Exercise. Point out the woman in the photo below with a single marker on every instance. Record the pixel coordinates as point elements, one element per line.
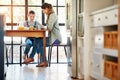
<point>52,25</point>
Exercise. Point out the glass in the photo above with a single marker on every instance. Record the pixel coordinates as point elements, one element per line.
<point>53,2</point>
<point>38,13</point>
<point>61,2</point>
<point>7,12</point>
<point>5,2</point>
<point>80,6</point>
<point>55,9</point>
<point>61,14</point>
<point>80,27</point>
<point>34,2</point>
<point>18,2</point>
<point>18,14</point>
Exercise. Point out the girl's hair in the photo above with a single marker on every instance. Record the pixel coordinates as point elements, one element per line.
<point>50,9</point>
<point>31,12</point>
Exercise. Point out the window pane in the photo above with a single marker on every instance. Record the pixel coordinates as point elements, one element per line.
<point>18,2</point>
<point>61,2</point>
<point>3,2</point>
<point>7,12</point>
<point>34,2</point>
<point>18,14</point>
<point>53,2</point>
<point>61,15</point>
<point>38,13</point>
<point>55,9</point>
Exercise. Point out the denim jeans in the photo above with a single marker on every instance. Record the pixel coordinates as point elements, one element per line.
<point>29,43</point>
<point>38,45</point>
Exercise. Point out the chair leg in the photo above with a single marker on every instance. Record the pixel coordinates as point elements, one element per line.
<point>7,57</point>
<point>57,54</point>
<point>20,55</point>
<point>65,51</point>
<point>48,54</point>
<point>49,57</point>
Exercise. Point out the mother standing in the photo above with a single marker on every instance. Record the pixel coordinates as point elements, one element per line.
<point>52,25</point>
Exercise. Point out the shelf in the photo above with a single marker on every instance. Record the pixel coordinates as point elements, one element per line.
<point>109,52</point>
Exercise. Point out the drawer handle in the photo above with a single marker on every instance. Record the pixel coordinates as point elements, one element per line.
<point>99,19</point>
<point>97,65</point>
<point>115,15</point>
<point>99,38</point>
<point>91,63</point>
<point>106,17</point>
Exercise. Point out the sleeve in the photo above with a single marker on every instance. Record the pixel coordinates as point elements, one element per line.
<point>39,25</point>
<point>51,21</point>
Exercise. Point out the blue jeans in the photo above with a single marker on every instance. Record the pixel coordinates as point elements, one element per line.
<point>38,45</point>
<point>29,43</point>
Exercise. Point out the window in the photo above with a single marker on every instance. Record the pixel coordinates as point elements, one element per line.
<point>5,2</point>
<point>17,10</point>
<point>35,2</point>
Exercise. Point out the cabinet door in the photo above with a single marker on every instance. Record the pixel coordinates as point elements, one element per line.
<point>98,37</point>
<point>96,66</point>
<point>114,40</point>
<point>107,40</point>
<point>114,71</point>
<point>108,69</point>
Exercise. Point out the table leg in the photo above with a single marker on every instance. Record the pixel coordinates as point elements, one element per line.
<point>44,44</point>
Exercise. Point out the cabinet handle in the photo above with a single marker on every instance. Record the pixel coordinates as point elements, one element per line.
<point>91,63</point>
<point>99,19</point>
<point>106,17</point>
<point>97,65</point>
<point>115,15</point>
<point>99,38</point>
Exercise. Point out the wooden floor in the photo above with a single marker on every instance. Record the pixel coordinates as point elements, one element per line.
<point>31,72</point>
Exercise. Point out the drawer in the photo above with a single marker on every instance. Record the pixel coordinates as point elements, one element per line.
<point>114,40</point>
<point>108,69</point>
<point>98,20</point>
<point>110,17</point>
<point>107,40</point>
<point>106,18</point>
<point>111,70</point>
<point>114,71</point>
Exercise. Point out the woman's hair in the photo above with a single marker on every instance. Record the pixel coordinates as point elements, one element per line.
<point>50,9</point>
<point>49,6</point>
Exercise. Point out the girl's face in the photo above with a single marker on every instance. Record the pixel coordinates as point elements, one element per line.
<point>45,11</point>
<point>31,17</point>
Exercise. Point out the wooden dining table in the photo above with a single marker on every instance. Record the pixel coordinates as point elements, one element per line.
<point>29,33</point>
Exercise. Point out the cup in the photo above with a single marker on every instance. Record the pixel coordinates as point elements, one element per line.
<point>31,28</point>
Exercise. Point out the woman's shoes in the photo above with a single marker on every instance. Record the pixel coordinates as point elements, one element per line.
<point>28,60</point>
<point>43,64</point>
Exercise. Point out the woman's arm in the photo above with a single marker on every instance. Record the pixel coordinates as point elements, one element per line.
<point>51,21</point>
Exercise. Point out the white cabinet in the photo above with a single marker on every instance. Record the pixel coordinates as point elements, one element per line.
<point>96,66</point>
<point>105,17</point>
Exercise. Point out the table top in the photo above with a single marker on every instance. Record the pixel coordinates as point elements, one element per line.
<point>25,33</point>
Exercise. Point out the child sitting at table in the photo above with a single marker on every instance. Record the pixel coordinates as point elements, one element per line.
<point>30,40</point>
